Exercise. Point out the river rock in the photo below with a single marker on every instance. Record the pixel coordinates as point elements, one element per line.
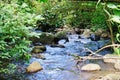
<point>34,67</point>
<point>61,35</point>
<point>38,49</point>
<point>58,45</point>
<point>44,38</point>
<point>105,35</point>
<point>91,67</point>
<point>77,31</point>
<point>98,32</point>
<point>117,65</point>
<point>112,76</point>
<point>86,33</point>
<point>94,37</point>
<point>111,58</point>
<point>40,56</point>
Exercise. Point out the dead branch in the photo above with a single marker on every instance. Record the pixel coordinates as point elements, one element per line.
<point>97,56</point>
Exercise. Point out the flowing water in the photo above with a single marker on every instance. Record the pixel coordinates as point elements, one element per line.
<point>60,65</point>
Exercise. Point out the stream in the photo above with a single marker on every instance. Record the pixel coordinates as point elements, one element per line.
<point>60,65</point>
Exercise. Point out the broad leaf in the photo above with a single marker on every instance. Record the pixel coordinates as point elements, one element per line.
<point>115,19</point>
<point>112,6</point>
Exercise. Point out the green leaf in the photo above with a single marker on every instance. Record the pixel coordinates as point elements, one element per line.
<point>116,12</point>
<point>115,19</point>
<point>43,0</point>
<point>117,51</point>
<point>112,6</point>
<point>117,37</point>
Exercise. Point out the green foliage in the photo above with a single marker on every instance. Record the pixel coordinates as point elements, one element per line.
<point>50,22</point>
<point>113,12</point>
<point>15,25</point>
<point>98,19</point>
<point>52,16</point>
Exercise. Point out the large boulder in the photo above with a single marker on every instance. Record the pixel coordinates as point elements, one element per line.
<point>111,58</point>
<point>44,38</point>
<point>61,35</point>
<point>91,67</point>
<point>34,67</point>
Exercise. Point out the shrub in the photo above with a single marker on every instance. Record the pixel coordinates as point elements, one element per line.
<point>15,22</point>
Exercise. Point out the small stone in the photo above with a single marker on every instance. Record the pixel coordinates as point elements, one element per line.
<point>38,49</point>
<point>117,65</point>
<point>40,56</point>
<point>43,48</point>
<point>91,67</point>
<point>111,58</point>
<point>34,67</point>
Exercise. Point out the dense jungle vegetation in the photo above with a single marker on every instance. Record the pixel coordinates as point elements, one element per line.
<point>18,18</point>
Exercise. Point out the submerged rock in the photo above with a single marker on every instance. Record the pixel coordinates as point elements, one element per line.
<point>111,58</point>
<point>34,67</point>
<point>40,56</point>
<point>94,37</point>
<point>58,45</point>
<point>38,49</point>
<point>91,67</point>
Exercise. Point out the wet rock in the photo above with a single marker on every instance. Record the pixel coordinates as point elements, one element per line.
<point>77,30</point>
<point>105,35</point>
<point>94,37</point>
<point>102,43</point>
<point>91,67</point>
<point>37,44</point>
<point>38,49</point>
<point>102,33</point>
<point>111,58</point>
<point>61,35</point>
<point>40,56</point>
<point>58,45</point>
<point>93,45</point>
<point>34,67</point>
<point>86,33</point>
<point>44,38</point>
<point>117,65</point>
<point>81,31</point>
<point>99,32</point>
<point>112,76</point>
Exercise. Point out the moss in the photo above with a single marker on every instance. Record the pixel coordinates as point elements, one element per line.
<point>61,35</point>
<point>46,38</point>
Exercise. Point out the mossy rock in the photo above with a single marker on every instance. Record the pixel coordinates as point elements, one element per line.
<point>61,35</point>
<point>38,49</point>
<point>44,38</point>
